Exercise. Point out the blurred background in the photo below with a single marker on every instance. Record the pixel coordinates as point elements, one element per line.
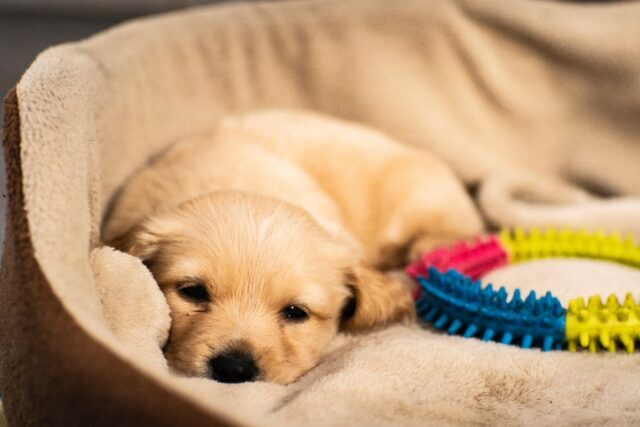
<point>27,27</point>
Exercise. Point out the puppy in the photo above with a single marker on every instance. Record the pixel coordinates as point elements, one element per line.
<point>268,235</point>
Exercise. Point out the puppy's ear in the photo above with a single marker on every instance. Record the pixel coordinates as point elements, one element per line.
<point>378,300</point>
<point>140,241</point>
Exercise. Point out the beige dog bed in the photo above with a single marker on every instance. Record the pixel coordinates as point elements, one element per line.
<point>524,99</point>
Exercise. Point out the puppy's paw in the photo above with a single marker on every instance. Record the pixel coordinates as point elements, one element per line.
<point>401,276</point>
<point>428,242</point>
<point>380,300</point>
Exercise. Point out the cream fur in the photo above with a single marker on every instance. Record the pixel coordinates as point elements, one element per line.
<point>271,210</point>
<point>413,376</point>
<point>391,196</point>
<point>549,88</point>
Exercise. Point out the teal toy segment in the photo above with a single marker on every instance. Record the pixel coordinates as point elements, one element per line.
<point>459,305</point>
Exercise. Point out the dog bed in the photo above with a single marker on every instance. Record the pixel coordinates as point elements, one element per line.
<point>532,104</point>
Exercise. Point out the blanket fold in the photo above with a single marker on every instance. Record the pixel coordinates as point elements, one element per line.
<point>533,103</point>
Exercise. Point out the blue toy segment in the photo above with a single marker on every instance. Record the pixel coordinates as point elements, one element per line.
<point>454,302</point>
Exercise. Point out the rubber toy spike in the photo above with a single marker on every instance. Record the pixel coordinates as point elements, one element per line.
<point>457,302</point>
<point>537,322</point>
<point>470,259</point>
<point>596,325</point>
<point>523,245</point>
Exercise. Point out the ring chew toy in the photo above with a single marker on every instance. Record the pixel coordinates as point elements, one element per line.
<point>453,299</point>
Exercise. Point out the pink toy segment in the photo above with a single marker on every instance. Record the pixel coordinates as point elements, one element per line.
<point>470,259</point>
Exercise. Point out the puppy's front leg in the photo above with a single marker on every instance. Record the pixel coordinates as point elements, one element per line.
<point>428,242</point>
<point>427,207</point>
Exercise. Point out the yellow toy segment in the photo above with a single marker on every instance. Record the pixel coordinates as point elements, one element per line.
<point>552,243</point>
<point>608,325</point>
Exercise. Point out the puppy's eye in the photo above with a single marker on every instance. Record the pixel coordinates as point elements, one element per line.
<point>195,292</point>
<point>293,313</point>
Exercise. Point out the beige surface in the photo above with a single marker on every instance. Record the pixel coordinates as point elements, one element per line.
<point>407,376</point>
<point>496,88</point>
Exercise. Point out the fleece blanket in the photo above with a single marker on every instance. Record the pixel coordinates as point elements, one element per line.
<point>533,104</point>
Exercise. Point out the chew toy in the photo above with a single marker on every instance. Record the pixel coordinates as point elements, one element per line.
<point>454,300</point>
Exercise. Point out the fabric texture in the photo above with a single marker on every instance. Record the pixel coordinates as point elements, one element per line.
<point>531,103</point>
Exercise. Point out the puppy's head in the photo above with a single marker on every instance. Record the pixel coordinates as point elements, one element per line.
<point>256,288</point>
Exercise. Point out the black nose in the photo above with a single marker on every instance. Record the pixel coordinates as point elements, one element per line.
<point>233,367</point>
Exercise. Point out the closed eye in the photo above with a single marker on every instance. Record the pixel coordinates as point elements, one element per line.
<point>194,292</point>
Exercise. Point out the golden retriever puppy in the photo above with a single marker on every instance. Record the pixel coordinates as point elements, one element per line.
<point>267,238</point>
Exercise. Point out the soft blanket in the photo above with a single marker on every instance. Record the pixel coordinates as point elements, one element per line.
<point>534,105</point>
<point>405,375</point>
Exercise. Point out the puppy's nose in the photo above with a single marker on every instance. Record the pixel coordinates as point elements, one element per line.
<point>233,367</point>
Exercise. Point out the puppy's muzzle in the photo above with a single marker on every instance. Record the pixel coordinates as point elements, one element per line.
<point>233,367</point>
